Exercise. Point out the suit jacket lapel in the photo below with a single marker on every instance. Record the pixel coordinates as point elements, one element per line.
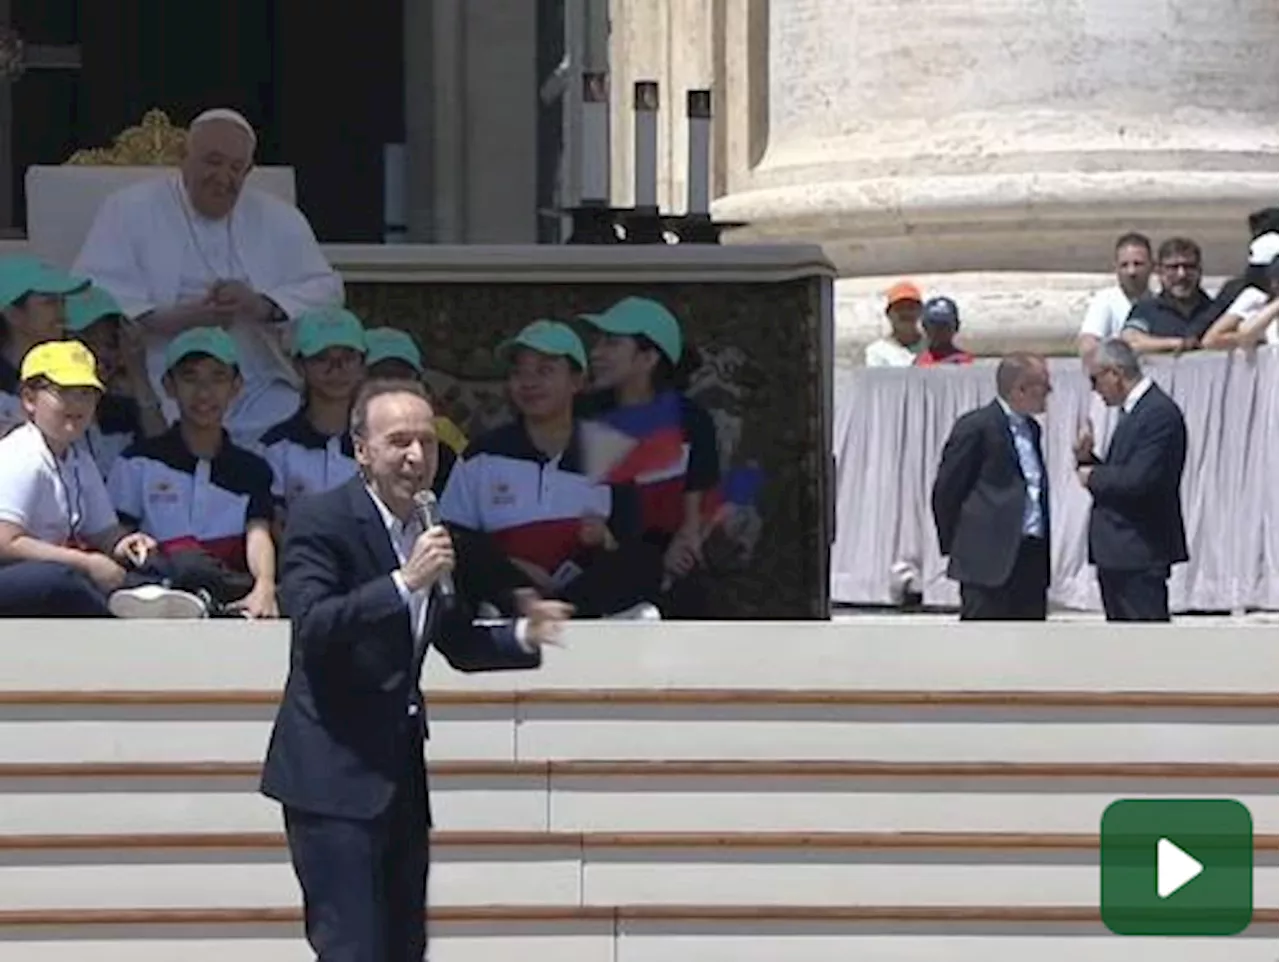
<point>376,538</point>
<point>1000,422</point>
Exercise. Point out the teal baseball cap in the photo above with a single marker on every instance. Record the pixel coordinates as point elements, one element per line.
<point>21,274</point>
<point>89,306</point>
<point>330,327</point>
<point>391,344</point>
<point>213,341</point>
<point>546,337</point>
<point>639,316</point>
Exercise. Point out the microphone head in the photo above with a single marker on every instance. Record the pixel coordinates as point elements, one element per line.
<point>427,504</point>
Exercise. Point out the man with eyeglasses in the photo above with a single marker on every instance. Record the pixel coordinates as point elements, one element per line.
<point>1136,529</point>
<point>63,551</point>
<point>1173,320</point>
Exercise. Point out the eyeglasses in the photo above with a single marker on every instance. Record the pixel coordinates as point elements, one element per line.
<point>1181,267</point>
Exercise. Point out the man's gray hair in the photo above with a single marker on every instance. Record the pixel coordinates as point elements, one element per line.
<point>1113,352</point>
<point>1012,368</point>
<point>227,115</point>
<point>377,387</point>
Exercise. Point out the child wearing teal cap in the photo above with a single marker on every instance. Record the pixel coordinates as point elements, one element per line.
<point>393,354</point>
<point>32,311</point>
<point>639,365</point>
<point>522,500</point>
<point>130,409</point>
<point>205,500</point>
<point>311,451</point>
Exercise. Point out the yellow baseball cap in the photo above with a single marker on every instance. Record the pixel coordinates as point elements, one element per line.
<point>65,363</point>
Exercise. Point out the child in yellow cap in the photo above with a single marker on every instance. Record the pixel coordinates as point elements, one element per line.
<point>63,551</point>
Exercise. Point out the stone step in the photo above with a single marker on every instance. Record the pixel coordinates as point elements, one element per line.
<point>873,653</point>
<point>675,724</point>
<point>226,870</point>
<point>632,933</point>
<point>582,796</point>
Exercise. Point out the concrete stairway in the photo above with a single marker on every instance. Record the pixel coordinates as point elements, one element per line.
<point>879,790</point>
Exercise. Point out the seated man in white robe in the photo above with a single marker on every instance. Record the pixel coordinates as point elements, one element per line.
<point>199,249</point>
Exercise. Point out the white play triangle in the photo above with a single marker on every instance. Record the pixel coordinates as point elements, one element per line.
<point>1174,868</point>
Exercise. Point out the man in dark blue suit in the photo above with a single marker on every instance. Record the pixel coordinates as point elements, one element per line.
<point>361,582</point>
<point>1136,532</point>
<point>991,499</point>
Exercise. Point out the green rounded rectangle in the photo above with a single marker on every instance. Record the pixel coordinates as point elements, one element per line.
<point>1202,847</point>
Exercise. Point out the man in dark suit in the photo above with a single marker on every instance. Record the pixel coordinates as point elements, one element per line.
<point>1136,531</point>
<point>361,581</point>
<point>991,499</point>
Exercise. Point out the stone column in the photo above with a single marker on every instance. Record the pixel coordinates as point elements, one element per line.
<point>994,150</point>
<point>471,121</point>
<point>669,41</point>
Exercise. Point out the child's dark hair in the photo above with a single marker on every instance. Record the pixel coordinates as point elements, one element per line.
<point>666,375</point>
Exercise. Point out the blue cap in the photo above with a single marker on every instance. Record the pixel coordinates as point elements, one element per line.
<point>89,306</point>
<point>21,274</point>
<point>940,311</point>
<point>641,317</point>
<point>546,337</point>
<point>211,341</point>
<point>391,344</point>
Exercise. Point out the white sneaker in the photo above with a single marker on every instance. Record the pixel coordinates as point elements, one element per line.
<point>641,612</point>
<point>156,602</point>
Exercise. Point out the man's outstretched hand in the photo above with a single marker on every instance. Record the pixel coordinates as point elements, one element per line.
<point>544,619</point>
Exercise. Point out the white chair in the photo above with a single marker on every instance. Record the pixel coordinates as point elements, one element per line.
<point>62,201</point>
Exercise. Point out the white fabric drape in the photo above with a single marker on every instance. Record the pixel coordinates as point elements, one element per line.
<point>891,423</point>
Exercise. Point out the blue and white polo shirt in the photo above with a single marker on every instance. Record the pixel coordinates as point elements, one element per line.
<point>160,487</point>
<point>304,461</point>
<point>532,505</point>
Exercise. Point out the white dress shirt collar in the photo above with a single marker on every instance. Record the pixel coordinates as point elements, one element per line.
<point>1135,395</point>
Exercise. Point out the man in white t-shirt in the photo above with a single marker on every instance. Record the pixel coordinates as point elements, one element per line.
<point>1251,318</point>
<point>63,552</point>
<point>903,305</point>
<point>1110,307</point>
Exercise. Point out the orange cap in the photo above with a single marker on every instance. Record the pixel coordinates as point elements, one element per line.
<point>902,291</point>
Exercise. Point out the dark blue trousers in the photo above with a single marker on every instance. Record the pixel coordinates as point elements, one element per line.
<point>1135,595</point>
<point>46,589</point>
<point>364,883</point>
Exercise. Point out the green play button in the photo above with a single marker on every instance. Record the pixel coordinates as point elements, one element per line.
<point>1175,867</point>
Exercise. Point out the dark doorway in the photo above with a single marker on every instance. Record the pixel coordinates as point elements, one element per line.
<point>179,57</point>
<point>43,103</point>
<point>326,93</point>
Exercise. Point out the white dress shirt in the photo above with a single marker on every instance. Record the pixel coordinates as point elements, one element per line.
<point>403,534</point>
<point>1135,395</point>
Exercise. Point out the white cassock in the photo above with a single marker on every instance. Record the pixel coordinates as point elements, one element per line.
<point>150,249</point>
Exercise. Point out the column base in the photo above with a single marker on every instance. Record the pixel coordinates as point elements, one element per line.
<point>1003,222</point>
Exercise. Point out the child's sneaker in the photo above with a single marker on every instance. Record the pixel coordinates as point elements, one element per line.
<point>156,602</point>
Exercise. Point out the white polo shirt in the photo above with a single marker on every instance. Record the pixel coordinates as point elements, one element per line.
<point>530,504</point>
<point>182,501</point>
<point>57,500</point>
<point>1108,310</point>
<point>304,461</point>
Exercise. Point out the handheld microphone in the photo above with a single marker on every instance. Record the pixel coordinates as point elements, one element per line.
<point>429,514</point>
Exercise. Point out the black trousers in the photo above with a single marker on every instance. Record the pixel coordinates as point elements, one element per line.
<point>364,883</point>
<point>1135,595</point>
<point>1022,598</point>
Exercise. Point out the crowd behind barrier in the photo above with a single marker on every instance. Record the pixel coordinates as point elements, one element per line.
<point>890,425</point>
